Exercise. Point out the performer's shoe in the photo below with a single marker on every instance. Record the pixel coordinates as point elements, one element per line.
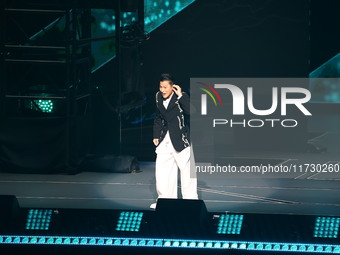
<point>153,206</point>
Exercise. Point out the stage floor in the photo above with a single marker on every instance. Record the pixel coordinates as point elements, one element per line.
<point>293,193</point>
<point>308,193</point>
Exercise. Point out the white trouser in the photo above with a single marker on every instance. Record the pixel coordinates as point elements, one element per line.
<point>167,163</point>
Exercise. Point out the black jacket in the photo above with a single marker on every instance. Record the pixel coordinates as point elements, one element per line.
<point>174,119</point>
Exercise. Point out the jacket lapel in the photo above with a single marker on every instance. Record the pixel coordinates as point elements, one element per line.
<point>161,107</point>
<point>172,102</point>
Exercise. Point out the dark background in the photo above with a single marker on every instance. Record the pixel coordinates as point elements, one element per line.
<point>215,38</point>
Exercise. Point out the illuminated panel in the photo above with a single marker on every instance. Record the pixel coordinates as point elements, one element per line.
<point>38,219</point>
<point>326,227</point>
<point>230,224</point>
<point>129,221</point>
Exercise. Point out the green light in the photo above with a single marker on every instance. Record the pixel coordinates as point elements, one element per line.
<point>38,219</point>
<point>44,105</point>
<point>230,224</point>
<point>326,227</point>
<point>129,221</point>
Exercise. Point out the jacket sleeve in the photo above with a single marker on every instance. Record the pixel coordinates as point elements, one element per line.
<point>184,102</point>
<point>157,125</point>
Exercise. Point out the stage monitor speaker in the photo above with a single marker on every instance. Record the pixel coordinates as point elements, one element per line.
<point>111,164</point>
<point>182,217</point>
<point>9,213</point>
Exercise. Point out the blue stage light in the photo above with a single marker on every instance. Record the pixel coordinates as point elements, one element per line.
<point>243,246</point>
<point>268,247</point>
<point>276,247</point>
<point>217,245</point>
<point>192,244</point>
<point>75,241</point>
<point>129,221</point>
<point>38,219</point>
<point>126,242</point>
<point>175,243</point>
<point>200,244</point>
<point>326,227</point>
<point>230,224</point>
<point>293,248</point>
<point>150,243</point>
<point>184,244</point>
<point>33,240</point>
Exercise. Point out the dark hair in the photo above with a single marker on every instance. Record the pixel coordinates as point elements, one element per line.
<point>167,77</point>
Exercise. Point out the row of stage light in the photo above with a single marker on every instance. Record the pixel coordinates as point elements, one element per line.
<point>181,243</point>
<point>175,223</point>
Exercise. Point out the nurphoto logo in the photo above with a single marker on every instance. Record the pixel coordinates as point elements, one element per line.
<point>280,98</point>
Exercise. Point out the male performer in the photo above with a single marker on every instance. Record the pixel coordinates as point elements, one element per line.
<point>171,136</point>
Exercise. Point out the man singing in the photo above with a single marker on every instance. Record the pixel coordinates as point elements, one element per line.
<point>171,136</point>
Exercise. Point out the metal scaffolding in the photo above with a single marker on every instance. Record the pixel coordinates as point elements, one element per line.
<point>45,90</point>
<point>54,68</point>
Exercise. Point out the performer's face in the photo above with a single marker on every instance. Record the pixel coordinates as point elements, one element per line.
<point>166,89</point>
